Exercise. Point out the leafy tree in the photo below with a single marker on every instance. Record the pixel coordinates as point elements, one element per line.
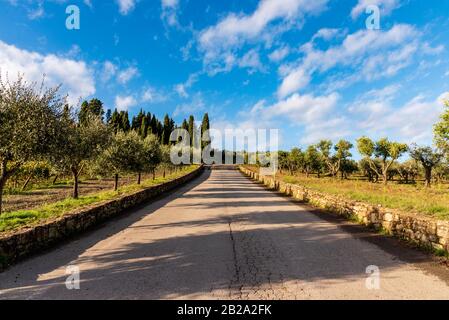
<point>365,167</point>
<point>408,170</point>
<point>165,161</point>
<point>94,107</point>
<point>334,161</point>
<point>312,161</point>
<point>441,131</point>
<point>168,127</point>
<point>115,122</point>
<point>428,159</point>
<point>125,154</point>
<point>108,116</point>
<point>282,159</point>
<point>78,144</point>
<point>386,151</point>
<point>442,171</point>
<point>295,160</point>
<point>348,167</point>
<point>136,122</point>
<point>191,129</point>
<point>124,121</point>
<point>205,127</point>
<point>29,117</point>
<point>153,155</point>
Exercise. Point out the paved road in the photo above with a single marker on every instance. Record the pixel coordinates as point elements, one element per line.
<point>224,237</point>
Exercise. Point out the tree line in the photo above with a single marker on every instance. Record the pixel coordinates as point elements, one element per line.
<point>41,134</point>
<point>379,158</point>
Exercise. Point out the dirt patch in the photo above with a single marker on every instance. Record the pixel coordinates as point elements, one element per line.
<point>38,197</point>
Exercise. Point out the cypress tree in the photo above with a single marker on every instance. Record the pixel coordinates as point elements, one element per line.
<point>191,128</point>
<point>205,126</point>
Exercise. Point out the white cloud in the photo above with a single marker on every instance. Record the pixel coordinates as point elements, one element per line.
<point>251,60</point>
<point>368,54</point>
<point>36,13</point>
<point>126,6</point>
<point>375,114</point>
<point>303,108</point>
<point>123,103</point>
<point>169,12</point>
<point>326,34</point>
<point>75,76</point>
<point>126,75</point>
<point>386,6</point>
<point>193,107</point>
<point>220,40</point>
<point>181,88</point>
<point>279,54</point>
<point>109,70</point>
<point>151,95</point>
<point>329,128</point>
<point>294,81</point>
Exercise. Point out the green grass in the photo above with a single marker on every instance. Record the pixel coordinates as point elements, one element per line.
<point>14,220</point>
<point>432,202</point>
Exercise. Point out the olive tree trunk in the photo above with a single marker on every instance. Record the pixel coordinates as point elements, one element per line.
<point>75,184</point>
<point>2,185</point>
<point>428,175</point>
<point>116,182</point>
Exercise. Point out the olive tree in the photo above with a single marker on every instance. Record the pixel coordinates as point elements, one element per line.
<point>295,160</point>
<point>334,161</point>
<point>408,170</point>
<point>428,159</point>
<point>441,131</point>
<point>153,153</point>
<point>80,143</point>
<point>29,116</point>
<point>283,160</point>
<point>124,154</point>
<point>312,161</point>
<point>384,150</point>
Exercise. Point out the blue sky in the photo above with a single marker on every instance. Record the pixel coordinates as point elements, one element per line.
<point>310,68</point>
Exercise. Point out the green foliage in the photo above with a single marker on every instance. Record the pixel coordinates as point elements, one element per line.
<point>191,129</point>
<point>441,131</point>
<point>92,108</point>
<point>29,117</point>
<point>384,150</point>
<point>124,154</point>
<point>205,127</point>
<point>295,160</point>
<point>79,143</point>
<point>334,161</point>
<point>428,159</point>
<point>312,160</point>
<point>153,153</point>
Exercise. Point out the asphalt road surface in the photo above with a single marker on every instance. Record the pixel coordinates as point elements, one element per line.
<point>224,237</point>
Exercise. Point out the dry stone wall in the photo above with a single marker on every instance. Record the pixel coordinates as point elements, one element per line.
<point>18,245</point>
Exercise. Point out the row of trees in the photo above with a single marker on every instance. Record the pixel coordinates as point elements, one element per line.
<point>380,158</point>
<point>37,126</point>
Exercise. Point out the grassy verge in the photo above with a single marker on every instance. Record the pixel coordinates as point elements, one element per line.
<point>17,219</point>
<point>433,202</point>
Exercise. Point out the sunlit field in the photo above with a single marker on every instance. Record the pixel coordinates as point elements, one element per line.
<point>408,197</point>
